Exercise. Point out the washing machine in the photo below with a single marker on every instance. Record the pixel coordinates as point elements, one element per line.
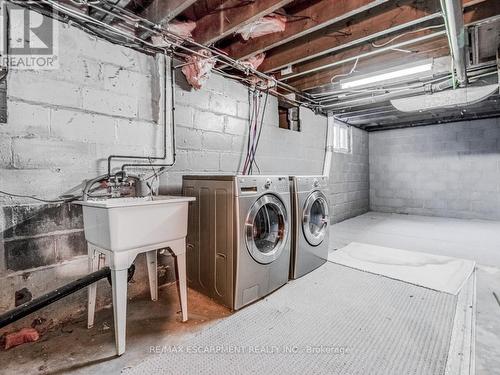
<point>239,236</point>
<point>310,224</point>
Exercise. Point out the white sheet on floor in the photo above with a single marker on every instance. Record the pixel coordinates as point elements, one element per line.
<point>441,273</point>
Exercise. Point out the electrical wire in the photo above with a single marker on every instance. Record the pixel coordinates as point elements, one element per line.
<point>135,22</point>
<point>375,45</point>
<point>253,161</point>
<point>256,122</point>
<point>34,197</point>
<point>346,74</point>
<point>147,25</point>
<point>254,114</point>
<point>255,130</point>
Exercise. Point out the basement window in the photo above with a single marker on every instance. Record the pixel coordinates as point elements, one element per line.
<point>342,138</point>
<point>289,116</point>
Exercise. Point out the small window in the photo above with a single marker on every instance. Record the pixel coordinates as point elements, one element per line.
<point>342,138</point>
<point>289,116</point>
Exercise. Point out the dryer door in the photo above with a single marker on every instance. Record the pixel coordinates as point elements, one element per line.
<point>266,229</point>
<point>315,218</point>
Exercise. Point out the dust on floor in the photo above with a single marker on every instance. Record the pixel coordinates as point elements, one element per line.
<point>72,348</point>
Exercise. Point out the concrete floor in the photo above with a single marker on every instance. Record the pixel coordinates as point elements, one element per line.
<point>478,240</point>
<point>74,349</point>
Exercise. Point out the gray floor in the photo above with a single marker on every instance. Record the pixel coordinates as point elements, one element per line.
<point>471,239</point>
<point>72,348</point>
<point>335,320</point>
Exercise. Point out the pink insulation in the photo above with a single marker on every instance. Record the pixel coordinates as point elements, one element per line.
<point>182,29</point>
<point>254,61</point>
<point>272,23</point>
<point>198,69</point>
<point>21,337</point>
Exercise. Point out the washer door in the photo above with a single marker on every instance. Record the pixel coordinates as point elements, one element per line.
<point>266,229</point>
<point>315,218</point>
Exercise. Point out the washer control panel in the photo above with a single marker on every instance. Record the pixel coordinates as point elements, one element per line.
<point>256,185</point>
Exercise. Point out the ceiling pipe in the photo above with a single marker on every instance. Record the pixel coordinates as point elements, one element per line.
<point>138,22</point>
<point>454,21</point>
<point>375,99</point>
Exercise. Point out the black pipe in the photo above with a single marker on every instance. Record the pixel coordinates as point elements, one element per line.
<point>51,297</point>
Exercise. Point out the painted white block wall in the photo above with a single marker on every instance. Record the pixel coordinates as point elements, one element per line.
<point>63,124</point>
<point>349,179</point>
<point>449,170</point>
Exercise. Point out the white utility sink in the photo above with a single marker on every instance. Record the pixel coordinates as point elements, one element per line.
<point>122,228</point>
<point>120,224</point>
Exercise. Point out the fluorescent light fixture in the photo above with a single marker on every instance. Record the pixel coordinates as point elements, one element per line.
<point>387,76</point>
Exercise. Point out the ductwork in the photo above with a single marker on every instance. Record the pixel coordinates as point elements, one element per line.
<point>458,98</point>
<point>454,21</point>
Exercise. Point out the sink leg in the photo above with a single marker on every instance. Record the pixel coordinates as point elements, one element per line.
<point>181,270</point>
<point>93,259</point>
<point>119,280</point>
<point>151,257</point>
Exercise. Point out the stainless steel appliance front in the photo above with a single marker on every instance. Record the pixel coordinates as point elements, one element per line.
<point>238,236</point>
<point>310,223</point>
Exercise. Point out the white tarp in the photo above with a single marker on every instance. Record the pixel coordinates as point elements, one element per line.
<point>441,273</point>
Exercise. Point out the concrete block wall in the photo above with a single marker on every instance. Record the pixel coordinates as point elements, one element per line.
<point>63,124</point>
<point>61,127</point>
<point>3,100</point>
<point>349,179</point>
<point>450,170</point>
<point>212,128</point>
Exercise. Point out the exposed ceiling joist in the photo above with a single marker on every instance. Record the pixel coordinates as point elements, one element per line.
<point>378,22</point>
<point>109,5</point>
<point>433,48</point>
<point>365,50</point>
<point>305,21</point>
<point>473,13</point>
<point>232,16</point>
<point>476,13</point>
<point>163,11</point>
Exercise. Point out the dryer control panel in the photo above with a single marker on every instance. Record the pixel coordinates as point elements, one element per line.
<point>310,183</point>
<point>257,185</point>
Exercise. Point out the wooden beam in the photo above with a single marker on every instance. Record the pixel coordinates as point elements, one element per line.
<point>473,13</point>
<point>107,17</point>
<point>378,22</point>
<point>163,11</point>
<point>305,21</point>
<point>234,14</point>
<point>476,11</point>
<point>434,48</point>
<point>366,50</point>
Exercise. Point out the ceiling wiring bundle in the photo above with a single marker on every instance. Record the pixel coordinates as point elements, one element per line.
<point>254,130</point>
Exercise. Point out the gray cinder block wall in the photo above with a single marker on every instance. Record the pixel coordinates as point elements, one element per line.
<point>3,98</point>
<point>63,124</point>
<point>349,179</point>
<point>450,170</point>
<point>212,128</point>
